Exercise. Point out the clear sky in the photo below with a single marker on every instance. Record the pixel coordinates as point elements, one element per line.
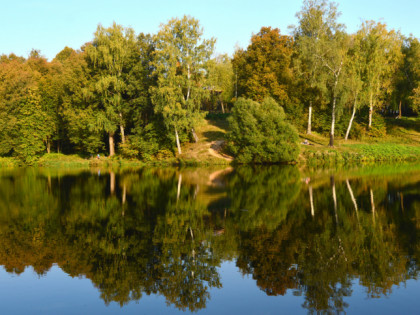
<point>50,25</point>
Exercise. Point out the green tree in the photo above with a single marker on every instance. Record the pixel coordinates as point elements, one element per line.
<point>409,76</point>
<point>180,63</point>
<point>264,68</point>
<point>76,109</point>
<point>260,134</point>
<point>315,20</point>
<point>324,38</point>
<point>220,80</point>
<point>110,54</point>
<point>354,78</point>
<point>27,107</point>
<point>381,51</point>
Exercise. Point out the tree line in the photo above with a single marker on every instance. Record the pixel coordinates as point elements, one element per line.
<point>145,94</point>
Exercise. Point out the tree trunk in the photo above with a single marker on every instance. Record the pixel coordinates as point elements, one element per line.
<point>370,110</point>
<point>177,141</point>
<point>122,130</point>
<point>223,108</point>
<point>48,146</point>
<point>351,121</point>
<point>194,135</point>
<point>309,131</point>
<point>188,77</point>
<point>332,123</point>
<point>58,146</point>
<point>111,144</point>
<point>399,110</point>
<point>337,76</point>
<point>122,134</point>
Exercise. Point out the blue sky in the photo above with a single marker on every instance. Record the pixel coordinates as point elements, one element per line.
<point>50,25</point>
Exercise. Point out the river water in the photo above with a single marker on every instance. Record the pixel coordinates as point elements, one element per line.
<point>245,240</point>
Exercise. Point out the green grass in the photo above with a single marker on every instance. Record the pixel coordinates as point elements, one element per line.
<point>401,143</point>
<point>386,151</point>
<point>61,160</point>
<point>8,162</point>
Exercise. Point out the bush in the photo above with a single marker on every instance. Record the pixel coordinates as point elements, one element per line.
<point>378,129</point>
<point>128,151</point>
<point>260,134</point>
<point>149,140</point>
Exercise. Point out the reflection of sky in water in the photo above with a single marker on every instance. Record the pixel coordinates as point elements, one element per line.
<point>58,293</point>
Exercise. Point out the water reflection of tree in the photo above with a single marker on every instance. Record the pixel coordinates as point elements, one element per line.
<point>149,233</point>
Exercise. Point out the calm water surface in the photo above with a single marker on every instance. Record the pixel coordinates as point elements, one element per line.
<point>247,240</point>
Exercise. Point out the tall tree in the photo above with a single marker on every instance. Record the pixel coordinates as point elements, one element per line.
<point>264,68</point>
<point>354,78</point>
<point>326,40</point>
<point>409,76</point>
<point>77,100</point>
<point>381,54</point>
<point>220,80</point>
<point>180,63</point>
<point>49,86</point>
<point>110,55</point>
<point>314,20</point>
<point>27,114</point>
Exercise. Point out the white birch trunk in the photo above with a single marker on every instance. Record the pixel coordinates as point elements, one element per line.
<point>309,131</point>
<point>122,131</point>
<point>177,142</point>
<point>351,121</point>
<point>332,123</point>
<point>188,76</point>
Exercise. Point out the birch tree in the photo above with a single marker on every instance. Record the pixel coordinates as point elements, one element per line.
<point>354,78</point>
<point>324,48</point>
<point>381,52</point>
<point>180,63</point>
<point>312,26</point>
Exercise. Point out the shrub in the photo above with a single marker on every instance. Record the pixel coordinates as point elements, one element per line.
<point>260,134</point>
<point>128,151</point>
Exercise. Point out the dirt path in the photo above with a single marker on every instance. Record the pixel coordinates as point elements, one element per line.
<point>214,150</point>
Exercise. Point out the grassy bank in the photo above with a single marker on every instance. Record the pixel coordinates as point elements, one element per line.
<point>401,143</point>
<point>8,162</point>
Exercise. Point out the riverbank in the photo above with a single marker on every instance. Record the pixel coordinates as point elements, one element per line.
<point>401,143</point>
